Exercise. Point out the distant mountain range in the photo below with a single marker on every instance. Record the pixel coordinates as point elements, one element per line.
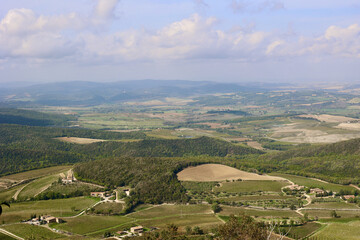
<point>94,93</point>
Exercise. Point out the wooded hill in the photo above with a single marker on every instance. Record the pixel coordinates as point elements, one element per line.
<point>25,147</point>
<point>336,162</point>
<point>154,179</point>
<point>33,118</point>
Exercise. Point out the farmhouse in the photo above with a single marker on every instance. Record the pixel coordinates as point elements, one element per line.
<point>127,192</point>
<point>97,194</point>
<point>317,191</point>
<point>347,197</point>
<point>137,229</point>
<point>50,219</point>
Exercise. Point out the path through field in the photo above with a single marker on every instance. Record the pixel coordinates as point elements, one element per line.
<point>10,234</point>
<point>18,191</point>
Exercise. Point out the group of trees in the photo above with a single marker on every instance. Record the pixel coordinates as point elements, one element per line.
<point>153,179</point>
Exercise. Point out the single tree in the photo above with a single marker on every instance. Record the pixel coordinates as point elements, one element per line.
<point>216,208</point>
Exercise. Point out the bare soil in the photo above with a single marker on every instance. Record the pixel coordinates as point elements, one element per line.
<point>218,172</point>
<point>329,118</point>
<point>256,145</point>
<point>79,140</point>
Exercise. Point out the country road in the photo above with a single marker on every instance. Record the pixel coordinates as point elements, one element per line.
<point>10,234</point>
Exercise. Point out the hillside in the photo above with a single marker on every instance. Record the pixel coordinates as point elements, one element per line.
<point>337,162</point>
<point>348,147</point>
<point>33,118</point>
<point>40,148</point>
<point>153,179</point>
<point>167,148</point>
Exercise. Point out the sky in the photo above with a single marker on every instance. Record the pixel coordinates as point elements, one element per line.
<point>290,41</point>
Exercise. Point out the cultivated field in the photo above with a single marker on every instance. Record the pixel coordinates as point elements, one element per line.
<point>5,237</point>
<point>35,173</point>
<point>6,195</point>
<point>313,183</point>
<point>58,208</point>
<point>108,208</point>
<point>326,213</point>
<point>349,126</point>
<point>328,118</point>
<point>171,210</point>
<point>218,172</point>
<point>79,140</point>
<point>37,186</point>
<point>26,231</point>
<point>251,186</point>
<point>334,205</point>
<point>205,221</point>
<point>89,224</point>
<point>340,231</point>
<point>227,210</point>
<point>310,131</point>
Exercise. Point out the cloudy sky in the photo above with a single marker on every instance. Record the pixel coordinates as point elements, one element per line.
<point>225,41</point>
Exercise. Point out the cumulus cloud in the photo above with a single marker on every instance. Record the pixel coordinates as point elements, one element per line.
<point>239,6</point>
<point>193,37</point>
<point>25,34</point>
<point>336,41</point>
<point>104,11</point>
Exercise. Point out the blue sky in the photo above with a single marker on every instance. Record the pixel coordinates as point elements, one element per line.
<point>225,41</point>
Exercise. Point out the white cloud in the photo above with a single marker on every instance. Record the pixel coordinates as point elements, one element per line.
<point>271,47</point>
<point>194,37</point>
<point>24,34</point>
<point>336,41</point>
<point>103,12</point>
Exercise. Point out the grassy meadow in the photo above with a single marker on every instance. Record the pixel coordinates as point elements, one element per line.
<point>89,224</point>
<point>26,231</point>
<point>339,231</point>
<point>313,183</point>
<point>36,173</point>
<point>37,186</point>
<point>58,208</point>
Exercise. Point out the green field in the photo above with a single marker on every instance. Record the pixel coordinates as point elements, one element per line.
<point>251,186</point>
<point>227,210</point>
<point>117,121</point>
<point>308,182</point>
<point>171,210</point>
<point>256,197</point>
<point>202,220</point>
<point>327,213</point>
<point>27,230</point>
<point>199,186</point>
<point>58,208</point>
<point>333,205</point>
<point>6,195</point>
<point>35,187</point>
<point>339,231</point>
<point>36,173</point>
<point>5,237</point>
<point>108,208</point>
<point>300,232</point>
<point>89,224</point>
